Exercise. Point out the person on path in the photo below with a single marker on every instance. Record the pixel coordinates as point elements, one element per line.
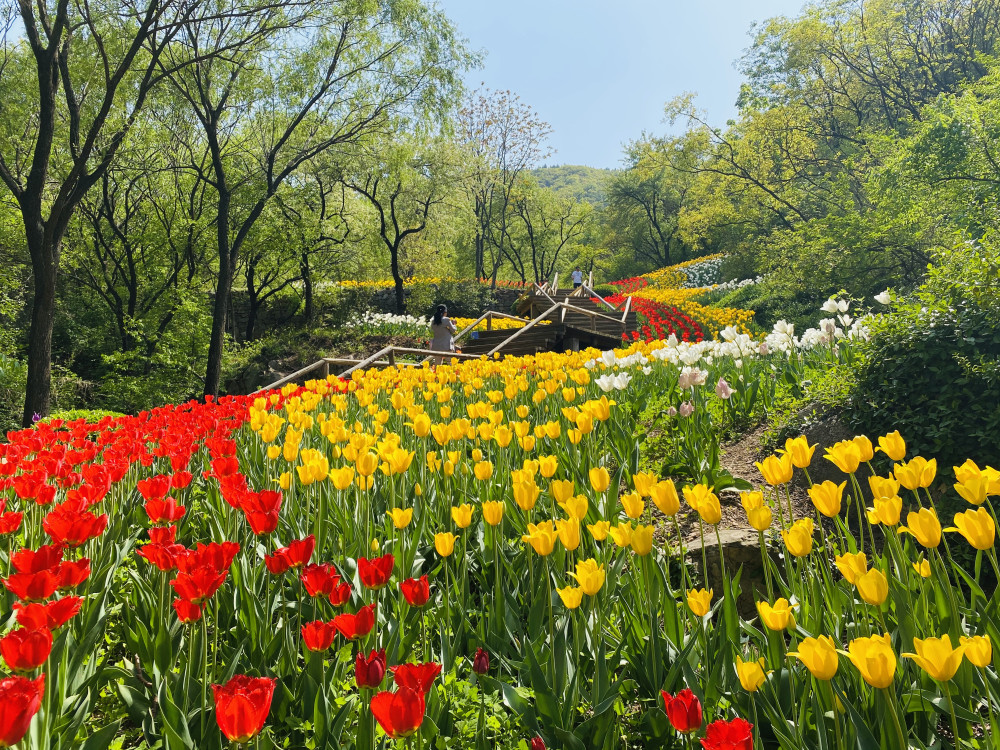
<point>443,330</point>
<point>577,277</point>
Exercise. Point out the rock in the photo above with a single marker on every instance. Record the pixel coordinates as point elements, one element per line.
<point>740,548</point>
<point>825,432</point>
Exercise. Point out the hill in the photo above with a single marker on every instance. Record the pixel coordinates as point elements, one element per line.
<point>575,181</point>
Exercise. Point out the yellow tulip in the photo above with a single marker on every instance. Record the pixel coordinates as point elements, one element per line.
<point>444,543</point>
<point>978,650</point>
<point>493,512</point>
<point>569,532</point>
<point>924,526</point>
<point>845,455</point>
<point>864,448</point>
<point>937,657</point>
<point>893,446</point>
<point>527,443</point>
<point>922,567</point>
<point>819,655</point>
<point>886,510</point>
<point>852,566</point>
<point>643,482</point>
<point>827,497</point>
<point>526,495</point>
<point>366,463</point>
<point>873,587</point>
<point>751,673</point>
<point>883,486</point>
<point>273,451</point>
<point>462,515</point>
<point>285,481</point>
<point>477,456</point>
<point>633,504</point>
<point>590,576</point>
<point>600,480</point>
<point>664,496</point>
<point>622,534</point>
<point>561,489</point>
<point>874,659</point>
<point>483,470</point>
<point>973,491</point>
<point>342,478</point>
<point>800,451</point>
<point>542,537</point>
<point>421,425</point>
<point>547,465</point>
<point>760,518</point>
<point>919,472</point>
<point>700,601</point>
<point>401,517</point>
<point>778,616</point>
<point>751,500</point>
<point>571,596</point>
<point>776,470</point>
<point>599,530</point>
<point>799,537</point>
<point>642,540</point>
<point>704,502</point>
<point>576,506</point>
<point>976,526</point>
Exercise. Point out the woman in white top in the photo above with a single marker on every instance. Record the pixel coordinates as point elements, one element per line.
<point>443,330</point>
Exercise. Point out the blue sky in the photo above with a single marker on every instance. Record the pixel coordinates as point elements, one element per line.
<point>600,72</point>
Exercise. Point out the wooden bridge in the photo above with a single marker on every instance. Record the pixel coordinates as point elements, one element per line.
<point>554,320</point>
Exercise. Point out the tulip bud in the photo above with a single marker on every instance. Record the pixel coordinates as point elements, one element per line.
<point>481,662</point>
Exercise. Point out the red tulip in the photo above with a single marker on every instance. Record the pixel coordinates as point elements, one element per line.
<point>32,587</point>
<point>51,616</point>
<point>25,650</point>
<point>419,677</point>
<point>481,662</point>
<point>318,635</point>
<point>72,573</point>
<point>163,556</point>
<point>340,594</point>
<point>319,580</point>
<point>218,557</point>
<point>154,488</point>
<point>187,612</point>
<point>20,699</point>
<point>537,743</point>
<point>416,591</point>
<point>368,673</point>
<point>262,523</point>
<point>199,585</point>
<point>683,710</point>
<point>46,557</point>
<point>181,479</point>
<point>295,555</point>
<point>401,713</point>
<point>164,510</point>
<point>163,534</point>
<point>10,522</point>
<point>70,525</point>
<point>375,574</point>
<point>355,626</point>
<point>242,705</point>
<point>729,735</point>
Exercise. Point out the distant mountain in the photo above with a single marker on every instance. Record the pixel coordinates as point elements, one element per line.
<point>576,182</point>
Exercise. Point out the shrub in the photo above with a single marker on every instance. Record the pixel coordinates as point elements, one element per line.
<point>931,366</point>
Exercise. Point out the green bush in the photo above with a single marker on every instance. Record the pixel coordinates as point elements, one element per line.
<point>606,290</point>
<point>931,369</point>
<point>13,377</point>
<point>91,416</point>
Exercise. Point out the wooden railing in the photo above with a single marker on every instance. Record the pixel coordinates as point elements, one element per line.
<point>488,316</point>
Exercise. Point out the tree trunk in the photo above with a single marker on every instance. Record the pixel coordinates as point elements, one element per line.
<point>45,265</point>
<point>307,286</point>
<point>400,297</point>
<point>223,290</point>
<point>253,308</point>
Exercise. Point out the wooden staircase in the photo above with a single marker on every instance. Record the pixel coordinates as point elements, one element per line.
<point>554,320</point>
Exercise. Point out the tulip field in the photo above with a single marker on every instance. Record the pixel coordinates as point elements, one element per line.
<point>478,555</point>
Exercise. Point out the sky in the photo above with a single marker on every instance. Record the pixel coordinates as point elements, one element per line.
<point>600,71</point>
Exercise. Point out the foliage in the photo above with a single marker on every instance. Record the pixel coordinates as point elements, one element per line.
<point>930,366</point>
<point>575,182</point>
